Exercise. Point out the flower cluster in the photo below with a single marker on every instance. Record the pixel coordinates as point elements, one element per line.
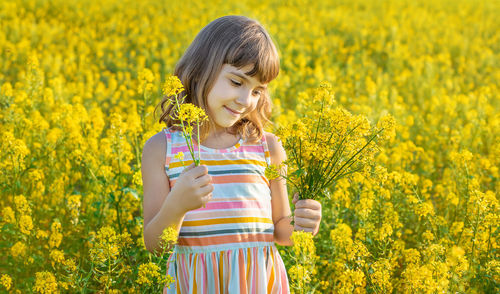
<point>327,143</point>
<point>188,115</point>
<point>304,256</point>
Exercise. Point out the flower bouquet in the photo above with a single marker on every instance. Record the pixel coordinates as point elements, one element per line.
<point>326,143</point>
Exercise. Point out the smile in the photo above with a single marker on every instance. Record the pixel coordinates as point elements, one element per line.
<point>232,112</point>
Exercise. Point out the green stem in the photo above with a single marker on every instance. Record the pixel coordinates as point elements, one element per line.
<point>190,146</point>
<point>191,150</point>
<point>352,157</point>
<point>199,141</point>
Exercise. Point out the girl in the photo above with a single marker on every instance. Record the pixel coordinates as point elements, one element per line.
<point>228,215</point>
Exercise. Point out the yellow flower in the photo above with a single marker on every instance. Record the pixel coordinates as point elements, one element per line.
<point>56,257</point>
<point>427,235</point>
<point>303,244</point>
<point>148,273</point>
<point>18,249</point>
<point>300,276</point>
<point>382,275</point>
<point>41,234</point>
<point>179,156</point>
<point>124,239</point>
<point>25,224</point>
<point>137,178</point>
<point>6,89</point>
<point>384,232</point>
<point>191,113</point>
<point>55,235</point>
<point>169,236</point>
<point>73,204</point>
<point>411,255</point>
<point>172,86</point>
<point>22,205</point>
<point>146,79</point>
<point>424,209</point>
<point>304,252</point>
<point>272,172</point>
<point>105,246</point>
<point>6,281</point>
<point>8,215</point>
<point>456,258</point>
<point>69,264</point>
<point>493,268</point>
<point>341,236</point>
<point>53,135</point>
<point>461,158</point>
<point>45,283</point>
<point>324,94</point>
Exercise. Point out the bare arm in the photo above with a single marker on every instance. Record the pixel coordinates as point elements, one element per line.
<point>163,207</point>
<point>307,213</point>
<point>158,209</point>
<point>283,228</point>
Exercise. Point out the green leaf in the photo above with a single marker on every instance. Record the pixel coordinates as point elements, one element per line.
<point>298,172</point>
<point>131,191</point>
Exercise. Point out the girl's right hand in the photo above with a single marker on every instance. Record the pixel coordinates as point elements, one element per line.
<point>193,188</point>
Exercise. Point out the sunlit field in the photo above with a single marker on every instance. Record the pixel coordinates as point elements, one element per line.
<point>80,81</point>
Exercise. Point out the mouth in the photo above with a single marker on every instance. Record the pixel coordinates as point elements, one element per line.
<point>232,112</point>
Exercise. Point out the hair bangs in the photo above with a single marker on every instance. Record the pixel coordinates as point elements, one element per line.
<point>255,48</point>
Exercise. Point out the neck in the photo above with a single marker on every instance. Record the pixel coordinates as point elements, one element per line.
<point>214,134</point>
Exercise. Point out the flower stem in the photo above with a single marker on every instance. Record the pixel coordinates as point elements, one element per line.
<point>198,139</point>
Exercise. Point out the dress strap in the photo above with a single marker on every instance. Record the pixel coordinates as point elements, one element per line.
<point>168,156</point>
<point>267,155</point>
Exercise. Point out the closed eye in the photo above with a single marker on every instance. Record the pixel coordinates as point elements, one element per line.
<point>235,83</point>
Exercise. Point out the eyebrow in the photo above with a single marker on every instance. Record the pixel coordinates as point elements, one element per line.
<point>246,79</point>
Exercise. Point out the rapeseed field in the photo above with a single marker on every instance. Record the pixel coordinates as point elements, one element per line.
<point>79,82</point>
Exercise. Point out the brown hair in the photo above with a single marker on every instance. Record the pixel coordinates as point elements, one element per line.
<point>235,40</point>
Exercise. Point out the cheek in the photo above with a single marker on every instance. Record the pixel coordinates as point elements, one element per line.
<point>252,110</point>
<point>256,105</point>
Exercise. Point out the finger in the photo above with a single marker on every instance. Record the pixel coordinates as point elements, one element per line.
<point>203,180</point>
<point>206,199</point>
<point>305,222</point>
<point>316,231</point>
<point>207,189</point>
<point>308,203</point>
<point>308,213</point>
<point>295,198</point>
<point>188,168</point>
<point>199,171</point>
<point>300,228</point>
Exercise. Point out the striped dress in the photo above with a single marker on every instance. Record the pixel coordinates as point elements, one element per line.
<point>228,246</point>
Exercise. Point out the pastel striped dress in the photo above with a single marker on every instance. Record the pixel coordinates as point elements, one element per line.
<point>228,246</point>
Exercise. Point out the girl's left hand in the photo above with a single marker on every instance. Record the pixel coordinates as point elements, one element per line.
<point>307,214</point>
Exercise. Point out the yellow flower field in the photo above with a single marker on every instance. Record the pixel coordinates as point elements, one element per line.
<point>79,81</point>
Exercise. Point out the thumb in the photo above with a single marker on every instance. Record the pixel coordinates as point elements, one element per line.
<point>188,168</point>
<point>295,198</point>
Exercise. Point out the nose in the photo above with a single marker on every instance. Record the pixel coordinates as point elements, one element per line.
<point>245,98</point>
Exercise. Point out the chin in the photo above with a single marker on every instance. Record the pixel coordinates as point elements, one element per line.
<point>226,123</point>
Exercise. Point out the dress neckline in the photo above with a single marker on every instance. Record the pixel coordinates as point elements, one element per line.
<point>221,150</point>
<point>208,149</point>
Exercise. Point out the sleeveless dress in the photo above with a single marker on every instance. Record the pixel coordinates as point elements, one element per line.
<point>228,246</point>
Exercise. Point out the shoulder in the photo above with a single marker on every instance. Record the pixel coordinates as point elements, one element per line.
<point>276,150</point>
<point>155,148</point>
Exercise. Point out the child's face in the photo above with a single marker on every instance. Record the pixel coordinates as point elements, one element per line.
<point>233,95</point>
